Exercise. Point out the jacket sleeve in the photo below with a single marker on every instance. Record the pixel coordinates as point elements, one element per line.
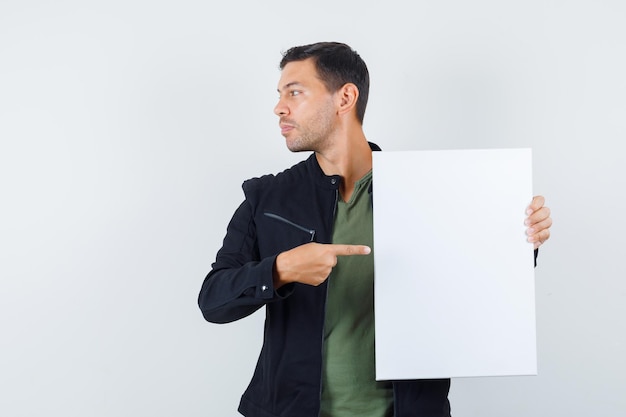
<point>239,282</point>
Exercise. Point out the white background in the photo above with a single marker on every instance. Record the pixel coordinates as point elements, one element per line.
<point>127,127</point>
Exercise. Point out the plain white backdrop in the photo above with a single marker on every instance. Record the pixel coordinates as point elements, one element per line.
<point>127,127</point>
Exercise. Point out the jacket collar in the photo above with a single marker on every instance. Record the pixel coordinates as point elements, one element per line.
<point>328,181</point>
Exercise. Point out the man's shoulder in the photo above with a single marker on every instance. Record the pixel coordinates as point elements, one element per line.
<point>291,175</point>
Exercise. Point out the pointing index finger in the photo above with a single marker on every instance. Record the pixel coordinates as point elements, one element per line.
<point>348,250</point>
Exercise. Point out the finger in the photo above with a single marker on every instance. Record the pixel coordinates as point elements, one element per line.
<point>539,238</point>
<point>538,216</point>
<point>349,250</point>
<point>536,204</point>
<point>539,227</point>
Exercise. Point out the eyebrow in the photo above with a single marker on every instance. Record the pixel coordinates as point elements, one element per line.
<point>288,85</point>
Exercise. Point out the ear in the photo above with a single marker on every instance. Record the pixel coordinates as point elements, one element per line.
<point>347,97</point>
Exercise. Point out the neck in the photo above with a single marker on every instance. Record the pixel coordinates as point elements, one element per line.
<point>349,157</point>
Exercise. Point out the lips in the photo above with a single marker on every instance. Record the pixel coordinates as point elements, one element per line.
<point>285,127</point>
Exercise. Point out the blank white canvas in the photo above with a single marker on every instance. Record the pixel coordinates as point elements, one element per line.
<point>454,274</point>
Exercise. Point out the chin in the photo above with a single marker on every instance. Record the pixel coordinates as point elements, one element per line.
<point>294,146</point>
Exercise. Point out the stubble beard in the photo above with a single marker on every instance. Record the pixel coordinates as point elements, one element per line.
<point>313,136</point>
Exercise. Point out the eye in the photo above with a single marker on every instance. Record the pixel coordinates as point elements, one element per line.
<point>294,93</point>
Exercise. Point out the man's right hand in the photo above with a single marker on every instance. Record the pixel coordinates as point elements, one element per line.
<point>311,263</point>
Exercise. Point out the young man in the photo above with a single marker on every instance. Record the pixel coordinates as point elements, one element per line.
<point>300,246</point>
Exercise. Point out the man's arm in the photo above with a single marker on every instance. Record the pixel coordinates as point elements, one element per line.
<point>239,282</point>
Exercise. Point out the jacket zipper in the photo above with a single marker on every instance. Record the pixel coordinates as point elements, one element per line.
<point>297,226</point>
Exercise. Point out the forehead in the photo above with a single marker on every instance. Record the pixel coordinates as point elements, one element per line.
<point>299,72</point>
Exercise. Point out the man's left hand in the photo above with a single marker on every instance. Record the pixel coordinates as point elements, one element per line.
<point>538,221</point>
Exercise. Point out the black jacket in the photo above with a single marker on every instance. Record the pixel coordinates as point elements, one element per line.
<point>279,213</point>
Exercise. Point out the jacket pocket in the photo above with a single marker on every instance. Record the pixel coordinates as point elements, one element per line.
<point>309,231</point>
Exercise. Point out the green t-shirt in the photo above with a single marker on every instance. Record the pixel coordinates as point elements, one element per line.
<point>349,386</point>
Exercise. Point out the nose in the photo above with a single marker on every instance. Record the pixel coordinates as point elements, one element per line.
<point>280,109</point>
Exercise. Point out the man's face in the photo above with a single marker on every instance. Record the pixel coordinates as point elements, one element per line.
<point>305,107</point>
